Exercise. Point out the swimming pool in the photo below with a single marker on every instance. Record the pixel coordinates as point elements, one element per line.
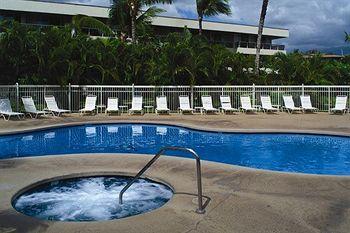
<point>303,153</point>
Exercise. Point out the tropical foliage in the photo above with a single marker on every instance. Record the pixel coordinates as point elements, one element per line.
<point>211,8</point>
<point>81,22</point>
<point>53,56</point>
<point>130,16</point>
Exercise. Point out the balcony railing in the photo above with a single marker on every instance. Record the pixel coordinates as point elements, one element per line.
<point>252,45</point>
<point>93,32</point>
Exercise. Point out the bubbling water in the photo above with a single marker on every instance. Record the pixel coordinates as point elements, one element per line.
<point>92,199</point>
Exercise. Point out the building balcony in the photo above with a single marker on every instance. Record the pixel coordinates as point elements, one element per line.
<point>266,48</point>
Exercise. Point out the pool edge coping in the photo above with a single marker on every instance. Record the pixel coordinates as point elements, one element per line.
<point>204,162</point>
<point>183,125</point>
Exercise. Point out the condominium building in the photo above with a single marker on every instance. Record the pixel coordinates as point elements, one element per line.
<point>238,37</point>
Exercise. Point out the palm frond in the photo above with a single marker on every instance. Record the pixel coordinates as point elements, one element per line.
<point>152,2</point>
<point>213,7</point>
<point>83,21</point>
<point>147,15</point>
<point>119,15</point>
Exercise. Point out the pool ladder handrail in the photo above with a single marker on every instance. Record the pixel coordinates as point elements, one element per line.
<point>201,209</point>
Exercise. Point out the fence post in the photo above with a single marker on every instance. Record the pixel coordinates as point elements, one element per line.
<point>133,90</point>
<point>101,95</point>
<point>329,99</point>
<point>45,90</point>
<point>279,97</point>
<point>17,97</point>
<point>192,97</point>
<point>254,94</point>
<point>302,89</point>
<point>70,97</point>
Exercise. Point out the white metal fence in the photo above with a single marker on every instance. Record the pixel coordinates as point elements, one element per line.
<point>73,96</point>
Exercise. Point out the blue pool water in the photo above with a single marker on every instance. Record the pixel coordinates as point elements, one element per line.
<point>92,199</point>
<point>313,154</point>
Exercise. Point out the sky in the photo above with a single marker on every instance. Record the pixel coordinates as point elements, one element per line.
<point>313,24</point>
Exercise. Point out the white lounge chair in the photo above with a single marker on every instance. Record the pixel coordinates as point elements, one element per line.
<point>266,105</point>
<point>246,104</point>
<point>30,108</point>
<point>112,105</point>
<point>226,105</point>
<point>185,104</point>
<point>340,104</point>
<point>289,104</point>
<point>52,106</point>
<point>207,103</point>
<point>90,104</point>
<point>162,105</point>
<point>136,105</point>
<point>6,110</point>
<point>306,104</point>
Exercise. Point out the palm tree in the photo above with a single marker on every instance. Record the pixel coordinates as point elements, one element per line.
<point>260,31</point>
<point>126,14</point>
<point>211,8</point>
<point>347,37</point>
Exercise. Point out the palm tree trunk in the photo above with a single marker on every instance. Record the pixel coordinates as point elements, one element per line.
<point>133,28</point>
<point>133,21</point>
<point>200,21</point>
<point>260,31</point>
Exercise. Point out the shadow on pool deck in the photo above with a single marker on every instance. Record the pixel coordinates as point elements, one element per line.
<point>10,219</point>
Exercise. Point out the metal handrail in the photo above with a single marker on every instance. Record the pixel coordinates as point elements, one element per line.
<point>200,209</point>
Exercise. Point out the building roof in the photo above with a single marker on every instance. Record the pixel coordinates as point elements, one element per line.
<point>50,7</point>
<point>218,26</point>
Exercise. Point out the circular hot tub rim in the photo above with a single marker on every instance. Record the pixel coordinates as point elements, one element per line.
<point>90,175</point>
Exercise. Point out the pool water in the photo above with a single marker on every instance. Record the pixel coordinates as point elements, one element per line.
<point>92,199</point>
<point>313,154</point>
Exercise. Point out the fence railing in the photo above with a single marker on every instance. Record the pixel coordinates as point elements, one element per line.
<point>73,96</point>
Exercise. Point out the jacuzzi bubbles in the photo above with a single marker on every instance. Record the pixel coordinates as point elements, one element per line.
<point>91,199</point>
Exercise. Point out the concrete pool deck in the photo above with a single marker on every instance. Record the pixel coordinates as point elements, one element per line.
<point>319,122</point>
<point>241,199</point>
